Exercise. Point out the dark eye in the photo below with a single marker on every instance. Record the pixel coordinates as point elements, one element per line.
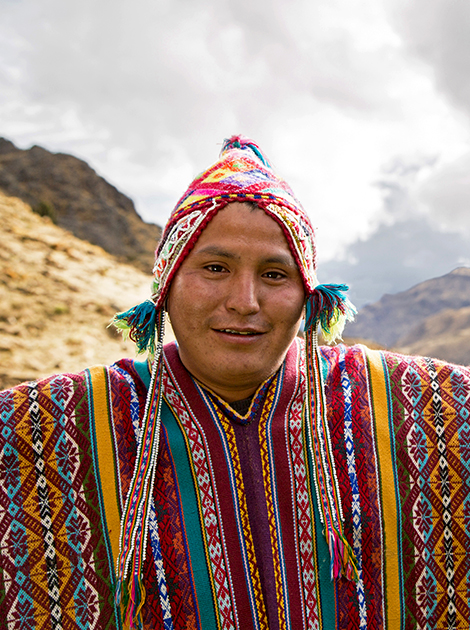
<point>274,275</point>
<point>215,268</point>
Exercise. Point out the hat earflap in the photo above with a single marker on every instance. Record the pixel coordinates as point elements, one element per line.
<point>327,309</point>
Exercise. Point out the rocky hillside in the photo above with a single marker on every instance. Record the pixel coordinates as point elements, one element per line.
<point>432,319</point>
<point>445,336</point>
<point>58,294</point>
<point>79,200</point>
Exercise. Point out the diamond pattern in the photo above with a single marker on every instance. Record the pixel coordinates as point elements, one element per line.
<point>52,555</point>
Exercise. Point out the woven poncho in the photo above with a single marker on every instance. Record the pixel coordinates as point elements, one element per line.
<point>400,437</point>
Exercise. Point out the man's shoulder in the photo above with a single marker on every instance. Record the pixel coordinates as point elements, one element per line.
<point>54,380</point>
<point>361,354</point>
<point>120,370</point>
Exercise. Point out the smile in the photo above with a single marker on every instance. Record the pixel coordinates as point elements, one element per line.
<point>231,331</point>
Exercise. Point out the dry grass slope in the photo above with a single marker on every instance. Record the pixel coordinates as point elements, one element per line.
<point>58,294</point>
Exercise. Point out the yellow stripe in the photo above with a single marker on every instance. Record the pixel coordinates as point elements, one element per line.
<point>391,573</point>
<point>267,476</point>
<point>106,457</point>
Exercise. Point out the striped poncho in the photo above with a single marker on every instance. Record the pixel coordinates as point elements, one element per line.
<point>234,520</point>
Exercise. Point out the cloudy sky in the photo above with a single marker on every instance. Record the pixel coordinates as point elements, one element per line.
<point>362,105</point>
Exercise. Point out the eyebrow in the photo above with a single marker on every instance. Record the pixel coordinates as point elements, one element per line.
<point>281,260</point>
<point>214,250</point>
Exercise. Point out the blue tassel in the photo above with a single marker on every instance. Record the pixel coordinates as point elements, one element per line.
<point>329,307</point>
<point>139,323</point>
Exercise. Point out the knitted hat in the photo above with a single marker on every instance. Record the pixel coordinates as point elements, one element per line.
<point>241,174</point>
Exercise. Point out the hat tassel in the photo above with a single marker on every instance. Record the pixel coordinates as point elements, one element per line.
<point>138,324</point>
<point>329,308</point>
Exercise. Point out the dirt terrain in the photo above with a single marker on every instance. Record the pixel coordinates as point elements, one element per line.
<point>58,295</point>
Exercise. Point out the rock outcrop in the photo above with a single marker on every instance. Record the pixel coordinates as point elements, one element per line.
<point>71,193</point>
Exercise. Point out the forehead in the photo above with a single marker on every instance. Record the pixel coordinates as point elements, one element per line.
<point>245,228</point>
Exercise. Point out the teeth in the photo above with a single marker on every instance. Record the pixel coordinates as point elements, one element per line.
<point>236,332</point>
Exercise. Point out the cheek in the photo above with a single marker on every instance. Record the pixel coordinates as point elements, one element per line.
<point>291,308</point>
<point>188,306</point>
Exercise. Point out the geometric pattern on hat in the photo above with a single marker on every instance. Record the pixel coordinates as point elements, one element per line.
<point>242,174</point>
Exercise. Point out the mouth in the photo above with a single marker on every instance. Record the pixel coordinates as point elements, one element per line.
<point>239,333</point>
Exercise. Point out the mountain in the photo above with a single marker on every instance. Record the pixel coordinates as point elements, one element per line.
<point>444,336</point>
<point>432,319</point>
<point>58,295</point>
<point>77,199</point>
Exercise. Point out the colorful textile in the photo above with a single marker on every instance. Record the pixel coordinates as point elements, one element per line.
<point>56,557</point>
<point>243,174</point>
<point>400,435</point>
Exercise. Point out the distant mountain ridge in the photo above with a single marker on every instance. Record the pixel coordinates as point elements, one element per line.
<point>445,336</point>
<point>432,319</point>
<point>79,200</point>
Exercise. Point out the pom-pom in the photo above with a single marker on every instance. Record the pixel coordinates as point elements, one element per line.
<point>138,324</point>
<point>329,307</point>
<point>240,142</point>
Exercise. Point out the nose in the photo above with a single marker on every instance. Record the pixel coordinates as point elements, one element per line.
<point>243,294</point>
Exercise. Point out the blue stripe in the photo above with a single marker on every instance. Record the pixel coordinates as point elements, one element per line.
<point>352,474</point>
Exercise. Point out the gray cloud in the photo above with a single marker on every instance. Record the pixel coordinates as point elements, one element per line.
<point>438,33</point>
<point>407,246</point>
<point>446,194</point>
<point>154,73</point>
<point>146,91</point>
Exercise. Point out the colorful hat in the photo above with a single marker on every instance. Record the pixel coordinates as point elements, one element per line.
<point>241,174</point>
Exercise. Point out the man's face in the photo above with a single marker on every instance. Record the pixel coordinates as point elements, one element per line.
<point>236,302</point>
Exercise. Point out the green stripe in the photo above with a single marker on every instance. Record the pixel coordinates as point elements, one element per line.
<point>327,591</point>
<point>142,368</point>
<point>327,604</point>
<point>192,523</point>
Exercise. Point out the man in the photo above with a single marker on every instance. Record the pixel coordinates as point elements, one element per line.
<point>243,478</point>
